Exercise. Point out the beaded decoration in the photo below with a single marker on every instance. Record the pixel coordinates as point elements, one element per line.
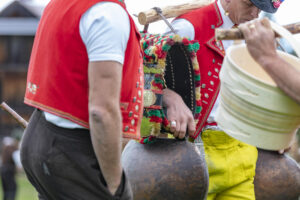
<point>156,50</point>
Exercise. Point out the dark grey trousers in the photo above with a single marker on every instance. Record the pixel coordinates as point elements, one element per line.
<point>61,164</point>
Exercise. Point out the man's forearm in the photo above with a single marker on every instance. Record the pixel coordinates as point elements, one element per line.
<point>105,118</point>
<point>106,138</point>
<point>285,76</point>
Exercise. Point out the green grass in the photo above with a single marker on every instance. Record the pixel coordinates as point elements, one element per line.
<point>25,189</point>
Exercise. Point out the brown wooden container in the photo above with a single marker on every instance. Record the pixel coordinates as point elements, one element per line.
<point>167,169</point>
<point>277,177</point>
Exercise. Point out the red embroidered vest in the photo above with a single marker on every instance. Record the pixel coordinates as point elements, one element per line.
<point>57,80</point>
<point>210,56</point>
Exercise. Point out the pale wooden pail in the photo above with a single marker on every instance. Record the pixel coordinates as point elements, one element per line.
<point>252,108</point>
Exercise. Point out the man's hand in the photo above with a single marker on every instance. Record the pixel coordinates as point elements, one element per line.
<point>178,112</point>
<point>261,45</point>
<point>260,39</point>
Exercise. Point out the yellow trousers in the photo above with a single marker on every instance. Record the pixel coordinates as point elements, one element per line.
<point>231,166</point>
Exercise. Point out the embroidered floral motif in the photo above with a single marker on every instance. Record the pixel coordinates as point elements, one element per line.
<point>32,88</point>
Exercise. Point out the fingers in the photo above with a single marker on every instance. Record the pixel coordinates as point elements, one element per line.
<point>248,27</point>
<point>180,128</point>
<point>250,30</point>
<point>191,127</point>
<point>265,21</point>
<point>282,151</point>
<point>245,30</point>
<point>174,128</point>
<point>179,115</point>
<point>173,125</point>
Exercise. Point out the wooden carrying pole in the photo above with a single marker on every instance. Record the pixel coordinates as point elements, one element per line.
<point>15,115</point>
<point>151,15</point>
<point>236,34</point>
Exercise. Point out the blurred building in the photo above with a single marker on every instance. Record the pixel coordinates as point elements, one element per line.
<point>18,23</point>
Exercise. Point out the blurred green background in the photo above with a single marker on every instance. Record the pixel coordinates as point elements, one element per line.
<point>25,189</point>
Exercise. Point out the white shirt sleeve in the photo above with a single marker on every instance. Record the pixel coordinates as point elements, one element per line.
<point>184,28</point>
<point>104,29</point>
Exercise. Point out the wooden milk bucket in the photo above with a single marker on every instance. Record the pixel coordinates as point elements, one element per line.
<point>164,168</point>
<point>253,109</point>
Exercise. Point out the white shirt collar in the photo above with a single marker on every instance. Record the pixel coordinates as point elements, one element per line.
<point>227,23</point>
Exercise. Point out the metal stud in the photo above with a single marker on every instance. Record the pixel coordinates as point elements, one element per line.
<point>219,45</point>
<point>212,26</point>
<point>130,114</point>
<point>137,84</point>
<point>140,93</point>
<point>137,108</point>
<point>213,60</point>
<point>134,99</point>
<point>205,102</point>
<point>217,70</point>
<point>209,73</point>
<point>206,95</point>
<point>132,122</point>
<point>212,83</point>
<point>203,85</point>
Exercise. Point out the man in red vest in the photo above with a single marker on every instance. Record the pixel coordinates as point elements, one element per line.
<point>85,80</point>
<point>231,164</point>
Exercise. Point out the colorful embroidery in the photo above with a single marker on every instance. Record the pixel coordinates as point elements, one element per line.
<point>156,49</point>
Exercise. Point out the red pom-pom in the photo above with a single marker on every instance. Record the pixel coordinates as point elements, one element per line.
<point>155,119</point>
<point>276,4</point>
<point>185,41</point>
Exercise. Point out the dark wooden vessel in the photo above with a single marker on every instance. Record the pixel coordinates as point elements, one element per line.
<point>167,169</point>
<point>277,177</point>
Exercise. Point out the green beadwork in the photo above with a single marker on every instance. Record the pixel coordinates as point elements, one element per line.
<point>148,70</point>
<point>146,127</point>
<point>198,109</point>
<point>166,47</point>
<point>159,80</point>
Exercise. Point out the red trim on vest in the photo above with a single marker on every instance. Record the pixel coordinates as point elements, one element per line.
<point>210,56</point>
<point>57,80</point>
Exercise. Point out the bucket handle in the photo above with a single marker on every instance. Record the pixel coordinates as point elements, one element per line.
<point>284,33</point>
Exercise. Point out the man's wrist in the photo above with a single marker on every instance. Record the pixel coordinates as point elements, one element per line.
<point>113,185</point>
<point>268,61</point>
